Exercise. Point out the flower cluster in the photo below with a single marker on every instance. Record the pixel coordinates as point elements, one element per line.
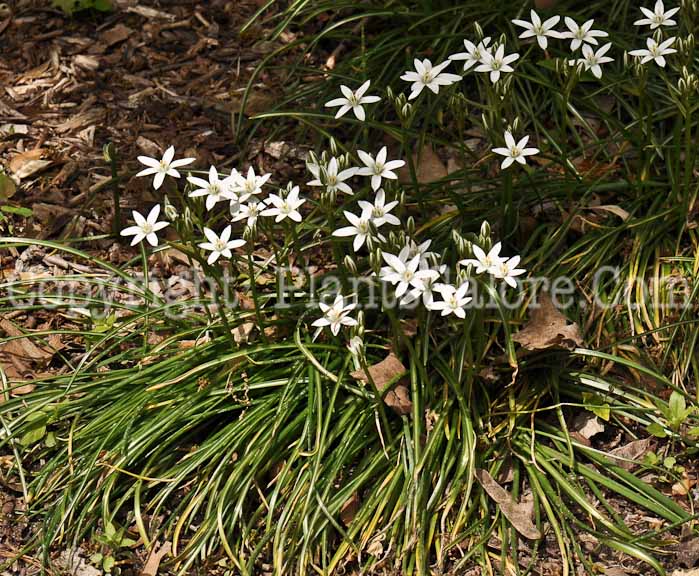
<point>416,275</point>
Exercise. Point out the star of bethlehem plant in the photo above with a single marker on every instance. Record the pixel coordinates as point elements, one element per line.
<point>395,259</point>
<point>362,222</point>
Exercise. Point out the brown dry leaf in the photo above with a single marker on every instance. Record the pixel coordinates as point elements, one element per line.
<point>242,333</point>
<point>683,487</point>
<point>548,328</point>
<point>148,146</point>
<point>518,513</point>
<point>115,35</point>
<point>24,345</point>
<point>384,372</point>
<point>691,572</point>
<point>688,552</point>
<point>23,389</point>
<point>152,565</point>
<point>428,167</point>
<point>188,344</point>
<point>26,164</point>
<point>613,209</point>
<point>349,509</point>
<point>587,425</point>
<point>631,451</point>
<point>18,356</point>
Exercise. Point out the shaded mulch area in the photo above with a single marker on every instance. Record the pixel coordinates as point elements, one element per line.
<point>148,75</point>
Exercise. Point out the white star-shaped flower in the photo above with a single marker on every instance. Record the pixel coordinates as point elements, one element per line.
<point>214,189</point>
<point>163,167</point>
<point>332,179</point>
<point>474,53</point>
<point>378,168</point>
<point>655,51</point>
<point>515,151</point>
<point>484,262</point>
<point>250,211</point>
<point>592,60</point>
<point>426,291</point>
<point>285,207</point>
<point>426,75</point>
<point>220,245</point>
<point>360,228</point>
<point>403,274</point>
<point>336,316</point>
<point>379,211</point>
<point>353,101</point>
<point>497,63</point>
<point>658,17</point>
<point>541,30</point>
<point>507,270</point>
<point>581,34</point>
<point>145,227</point>
<point>454,300</point>
<point>250,185</point>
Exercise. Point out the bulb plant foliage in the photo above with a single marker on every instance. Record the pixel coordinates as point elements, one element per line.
<point>347,386</point>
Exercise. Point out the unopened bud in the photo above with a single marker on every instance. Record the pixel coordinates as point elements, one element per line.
<point>109,152</point>
<point>170,210</point>
<point>350,265</point>
<point>375,260</point>
<point>410,225</point>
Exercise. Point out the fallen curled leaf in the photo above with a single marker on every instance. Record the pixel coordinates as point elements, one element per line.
<point>587,425</point>
<point>152,565</point>
<point>26,164</point>
<point>631,451</point>
<point>23,389</point>
<point>242,333</point>
<point>683,487</point>
<point>548,328</point>
<point>383,374</point>
<point>518,513</point>
<point>692,572</point>
<point>20,356</point>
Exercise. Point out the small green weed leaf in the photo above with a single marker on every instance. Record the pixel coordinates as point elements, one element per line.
<point>18,210</point>
<point>36,429</point>
<point>7,187</point>
<point>71,6</point>
<point>597,405</point>
<point>656,430</point>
